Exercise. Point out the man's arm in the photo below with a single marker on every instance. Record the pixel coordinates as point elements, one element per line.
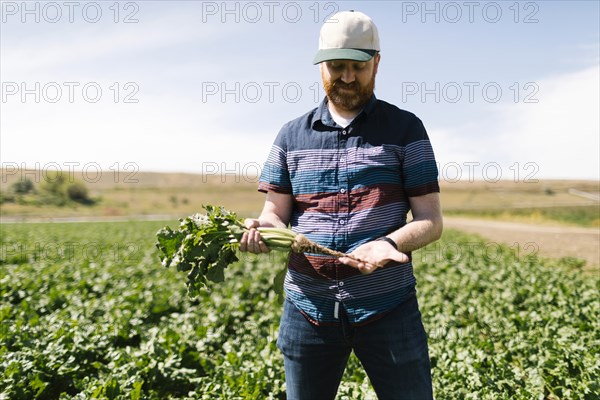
<point>276,212</point>
<point>426,227</point>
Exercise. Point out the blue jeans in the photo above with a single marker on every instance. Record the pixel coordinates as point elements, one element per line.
<point>393,351</point>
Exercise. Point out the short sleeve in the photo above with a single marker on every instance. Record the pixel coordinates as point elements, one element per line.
<point>419,165</point>
<point>275,175</point>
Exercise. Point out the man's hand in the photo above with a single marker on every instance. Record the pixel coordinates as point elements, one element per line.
<point>373,255</point>
<point>276,214</point>
<point>251,240</point>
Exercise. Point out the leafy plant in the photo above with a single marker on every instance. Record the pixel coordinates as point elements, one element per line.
<point>85,313</point>
<point>22,186</point>
<point>205,244</point>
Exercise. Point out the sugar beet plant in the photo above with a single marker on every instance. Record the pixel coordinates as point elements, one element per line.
<point>205,244</point>
<point>87,312</point>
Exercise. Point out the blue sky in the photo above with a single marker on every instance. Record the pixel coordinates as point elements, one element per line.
<point>505,89</point>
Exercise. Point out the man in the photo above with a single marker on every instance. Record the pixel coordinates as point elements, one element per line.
<point>346,174</point>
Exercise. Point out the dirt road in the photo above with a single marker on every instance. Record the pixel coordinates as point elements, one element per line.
<point>551,240</point>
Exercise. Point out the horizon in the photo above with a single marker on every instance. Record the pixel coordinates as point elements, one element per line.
<point>94,175</point>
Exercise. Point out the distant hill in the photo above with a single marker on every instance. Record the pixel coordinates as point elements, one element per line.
<point>132,193</point>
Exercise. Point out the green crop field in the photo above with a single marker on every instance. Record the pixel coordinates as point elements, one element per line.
<point>87,311</point>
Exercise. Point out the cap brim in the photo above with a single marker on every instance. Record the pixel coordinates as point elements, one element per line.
<point>343,54</point>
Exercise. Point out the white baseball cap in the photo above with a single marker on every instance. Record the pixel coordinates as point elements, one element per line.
<point>348,35</point>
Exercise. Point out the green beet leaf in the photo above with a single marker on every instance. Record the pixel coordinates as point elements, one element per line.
<point>205,244</point>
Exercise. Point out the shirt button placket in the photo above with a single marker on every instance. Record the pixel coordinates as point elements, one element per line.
<point>343,204</point>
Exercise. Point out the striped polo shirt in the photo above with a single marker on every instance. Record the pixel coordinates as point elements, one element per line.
<point>350,185</point>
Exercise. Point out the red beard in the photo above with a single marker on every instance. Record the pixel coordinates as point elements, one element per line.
<point>348,96</point>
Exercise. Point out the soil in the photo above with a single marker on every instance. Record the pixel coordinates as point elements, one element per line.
<point>548,240</point>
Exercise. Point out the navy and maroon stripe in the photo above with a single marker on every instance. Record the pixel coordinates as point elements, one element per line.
<point>350,185</point>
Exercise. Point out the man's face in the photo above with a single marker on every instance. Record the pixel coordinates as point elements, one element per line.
<point>349,84</point>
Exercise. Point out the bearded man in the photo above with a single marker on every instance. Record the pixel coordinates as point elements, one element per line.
<point>345,175</point>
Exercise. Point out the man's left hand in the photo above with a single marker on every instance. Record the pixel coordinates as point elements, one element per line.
<point>372,255</point>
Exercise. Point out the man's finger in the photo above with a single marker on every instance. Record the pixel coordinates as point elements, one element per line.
<point>349,261</point>
<point>367,268</point>
<point>263,247</point>
<point>400,257</point>
<point>244,242</point>
<point>251,223</point>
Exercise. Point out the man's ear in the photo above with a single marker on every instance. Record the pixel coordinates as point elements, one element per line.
<point>376,59</point>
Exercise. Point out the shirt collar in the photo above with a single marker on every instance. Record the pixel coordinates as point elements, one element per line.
<point>322,116</point>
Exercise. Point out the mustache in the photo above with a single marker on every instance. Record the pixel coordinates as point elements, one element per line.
<point>339,84</point>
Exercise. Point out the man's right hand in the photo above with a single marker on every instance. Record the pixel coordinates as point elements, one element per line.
<point>251,240</point>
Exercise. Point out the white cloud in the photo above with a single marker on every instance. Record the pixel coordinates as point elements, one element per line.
<point>561,132</point>
<point>555,138</point>
<point>170,54</point>
<point>169,133</point>
<point>170,129</point>
<point>62,48</point>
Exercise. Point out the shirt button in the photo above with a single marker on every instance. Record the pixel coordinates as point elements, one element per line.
<point>344,132</point>
<point>342,190</point>
<point>342,221</point>
<point>343,159</point>
<point>341,283</point>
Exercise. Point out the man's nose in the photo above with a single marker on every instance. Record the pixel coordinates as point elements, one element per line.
<point>348,75</point>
